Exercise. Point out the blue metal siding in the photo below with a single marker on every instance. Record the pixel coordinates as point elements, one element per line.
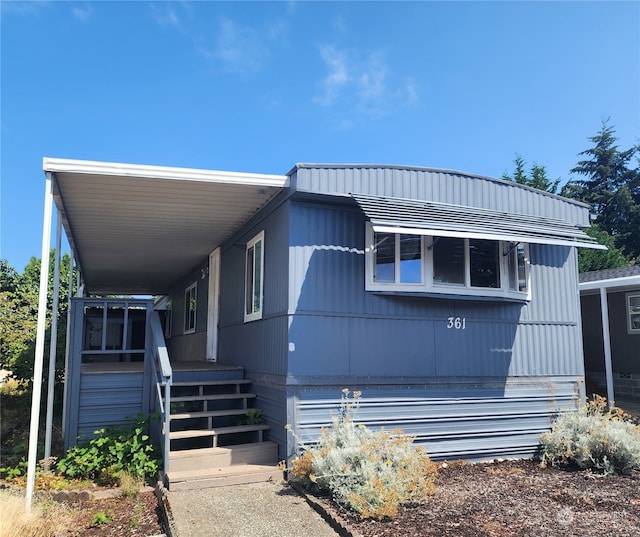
<point>190,347</point>
<point>108,399</point>
<point>437,185</point>
<point>258,346</point>
<point>480,419</point>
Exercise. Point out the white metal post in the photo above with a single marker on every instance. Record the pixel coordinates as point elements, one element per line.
<point>67,347</point>
<point>39,354</point>
<point>53,346</point>
<point>606,339</point>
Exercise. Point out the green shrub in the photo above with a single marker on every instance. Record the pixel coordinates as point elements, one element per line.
<point>593,437</point>
<point>112,451</point>
<point>369,472</point>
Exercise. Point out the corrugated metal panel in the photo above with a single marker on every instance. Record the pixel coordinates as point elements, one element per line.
<point>434,218</point>
<point>258,346</point>
<point>108,399</point>
<point>444,186</point>
<point>272,400</point>
<point>478,420</point>
<point>337,328</point>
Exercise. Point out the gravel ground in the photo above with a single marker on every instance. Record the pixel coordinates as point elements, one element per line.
<point>255,510</point>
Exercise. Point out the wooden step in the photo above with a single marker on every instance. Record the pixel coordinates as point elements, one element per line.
<point>211,382</point>
<point>222,477</point>
<point>265,453</point>
<point>216,397</point>
<point>210,414</point>
<point>197,433</point>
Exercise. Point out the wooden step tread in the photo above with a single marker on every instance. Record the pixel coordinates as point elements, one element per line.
<point>223,477</point>
<point>215,397</point>
<point>196,433</point>
<point>210,414</point>
<point>211,382</point>
<point>237,469</point>
<point>224,450</point>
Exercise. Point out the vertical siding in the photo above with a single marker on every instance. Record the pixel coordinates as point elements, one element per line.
<point>592,333</point>
<point>338,328</point>
<point>438,185</point>
<point>258,346</point>
<point>189,347</point>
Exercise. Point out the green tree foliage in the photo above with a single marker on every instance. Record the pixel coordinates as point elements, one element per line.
<point>536,178</point>
<point>590,259</point>
<point>19,295</point>
<point>610,183</point>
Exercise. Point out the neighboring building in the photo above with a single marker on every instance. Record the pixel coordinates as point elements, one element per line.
<point>449,299</point>
<point>611,332</point>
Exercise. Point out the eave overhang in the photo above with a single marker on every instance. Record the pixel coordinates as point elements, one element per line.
<point>137,229</point>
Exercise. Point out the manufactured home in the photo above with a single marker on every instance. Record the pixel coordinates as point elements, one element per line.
<point>448,298</point>
<point>610,301</point>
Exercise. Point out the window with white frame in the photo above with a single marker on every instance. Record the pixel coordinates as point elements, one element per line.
<point>633,313</point>
<point>190,308</point>
<point>254,271</point>
<point>448,265</point>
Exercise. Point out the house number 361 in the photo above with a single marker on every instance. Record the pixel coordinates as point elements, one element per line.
<point>459,323</point>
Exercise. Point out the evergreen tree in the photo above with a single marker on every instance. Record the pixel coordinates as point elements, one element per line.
<point>537,177</point>
<point>611,185</point>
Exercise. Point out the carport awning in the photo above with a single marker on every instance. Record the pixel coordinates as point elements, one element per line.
<point>138,230</point>
<point>413,217</point>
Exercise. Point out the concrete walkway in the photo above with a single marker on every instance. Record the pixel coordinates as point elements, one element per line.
<point>256,510</point>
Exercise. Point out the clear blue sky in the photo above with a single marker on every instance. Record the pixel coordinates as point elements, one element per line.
<point>259,86</point>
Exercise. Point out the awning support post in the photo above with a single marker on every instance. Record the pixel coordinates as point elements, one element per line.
<point>606,339</point>
<point>53,347</point>
<point>67,348</point>
<point>39,354</point>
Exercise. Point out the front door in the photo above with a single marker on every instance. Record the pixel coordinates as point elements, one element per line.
<point>213,308</point>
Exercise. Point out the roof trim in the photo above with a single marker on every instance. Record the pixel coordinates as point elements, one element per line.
<point>161,172</point>
<point>611,283</point>
<point>397,215</point>
<point>303,165</point>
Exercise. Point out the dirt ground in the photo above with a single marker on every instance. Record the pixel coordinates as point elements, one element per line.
<point>517,498</point>
<point>502,499</point>
<point>116,517</point>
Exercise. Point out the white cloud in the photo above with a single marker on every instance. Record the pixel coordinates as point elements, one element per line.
<point>23,8</point>
<point>336,79</point>
<point>165,15</point>
<point>239,48</point>
<point>365,86</point>
<point>82,13</point>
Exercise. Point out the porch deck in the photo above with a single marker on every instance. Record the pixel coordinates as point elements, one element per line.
<point>132,367</point>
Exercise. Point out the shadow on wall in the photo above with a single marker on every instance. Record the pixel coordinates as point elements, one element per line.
<point>340,330</point>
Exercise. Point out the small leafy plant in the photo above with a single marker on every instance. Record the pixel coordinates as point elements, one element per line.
<point>366,471</point>
<point>112,451</point>
<point>252,417</point>
<point>101,518</point>
<point>593,437</point>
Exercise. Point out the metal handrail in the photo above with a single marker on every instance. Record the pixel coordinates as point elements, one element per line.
<point>163,375</point>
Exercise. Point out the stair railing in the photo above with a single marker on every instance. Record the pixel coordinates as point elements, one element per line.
<point>162,376</point>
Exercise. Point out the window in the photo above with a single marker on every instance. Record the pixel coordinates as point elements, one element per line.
<point>254,270</point>
<point>190,309</point>
<point>448,265</point>
<point>398,258</point>
<point>633,312</point>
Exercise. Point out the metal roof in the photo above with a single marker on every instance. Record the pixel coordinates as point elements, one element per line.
<point>396,215</point>
<point>135,229</point>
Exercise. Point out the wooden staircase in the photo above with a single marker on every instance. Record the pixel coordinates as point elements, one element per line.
<point>216,436</point>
